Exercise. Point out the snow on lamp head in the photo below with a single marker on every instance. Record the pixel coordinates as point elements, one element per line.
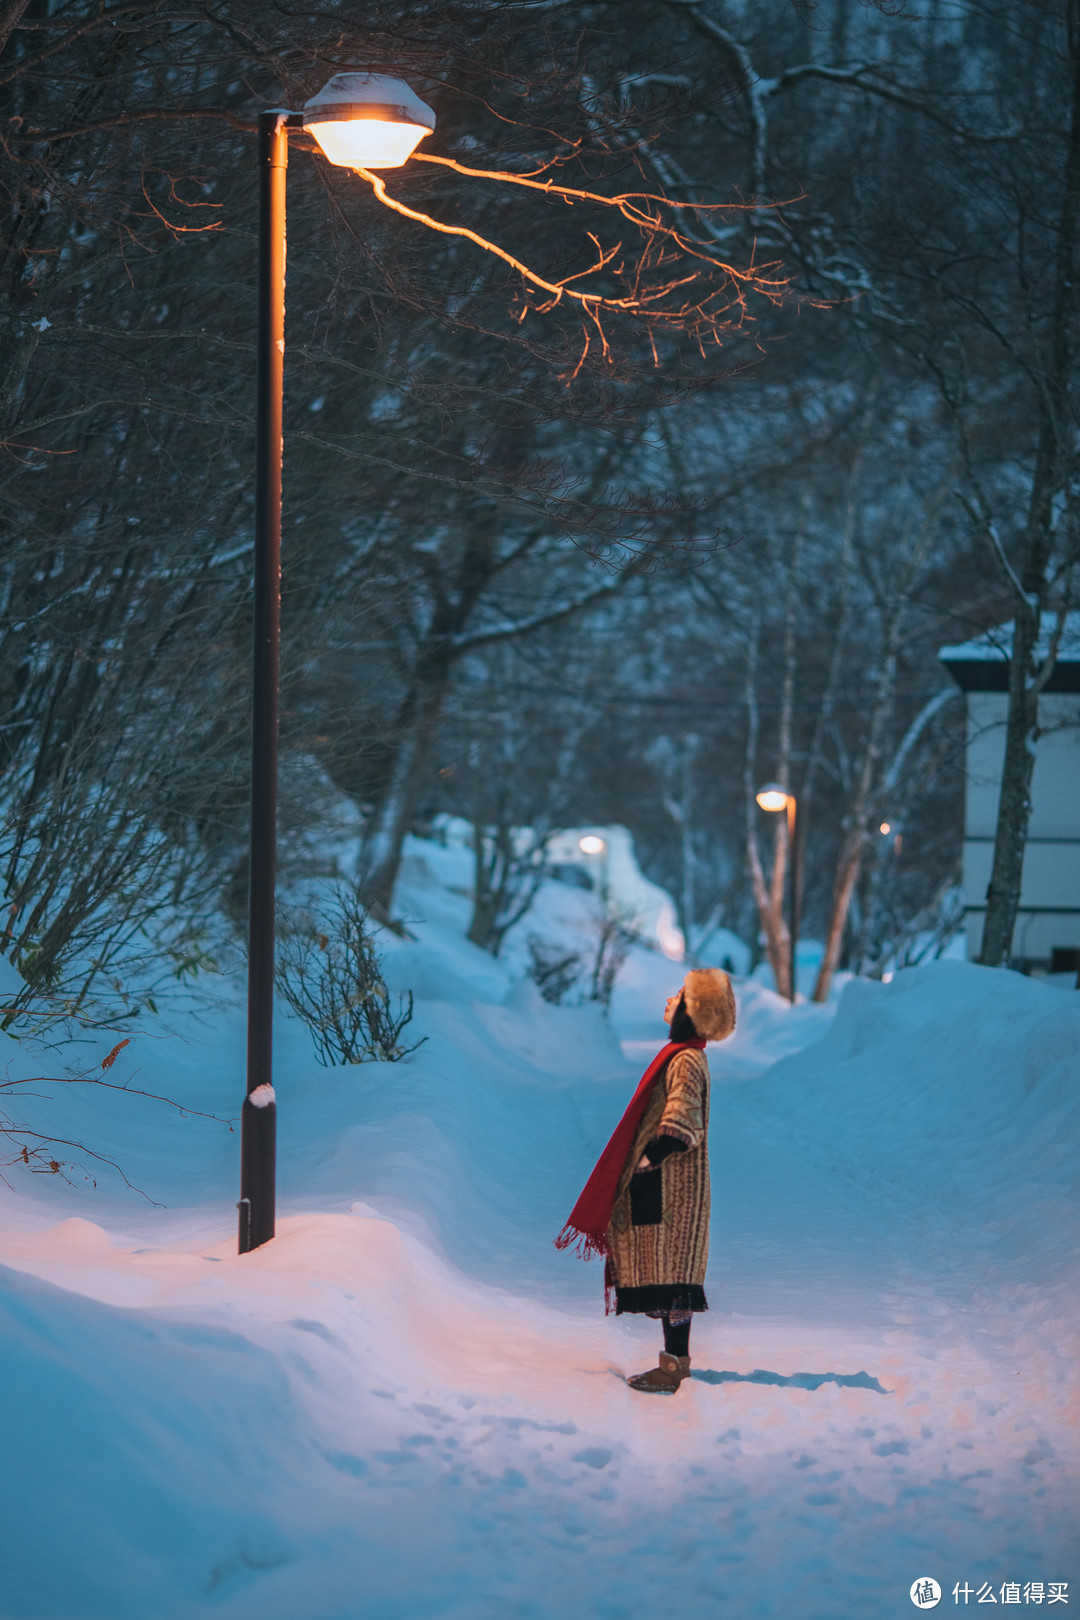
<point>367,120</point>
<point>772,797</point>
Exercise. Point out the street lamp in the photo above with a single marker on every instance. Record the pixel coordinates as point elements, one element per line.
<point>367,120</point>
<point>892,828</point>
<point>360,120</point>
<point>596,848</point>
<point>775,798</point>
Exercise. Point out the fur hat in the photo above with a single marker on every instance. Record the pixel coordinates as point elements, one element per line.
<point>710,1001</point>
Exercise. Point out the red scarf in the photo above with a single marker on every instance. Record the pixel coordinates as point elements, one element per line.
<point>590,1217</point>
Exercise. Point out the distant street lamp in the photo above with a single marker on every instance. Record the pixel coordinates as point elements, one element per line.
<point>597,848</point>
<point>360,120</point>
<point>892,827</point>
<point>775,798</point>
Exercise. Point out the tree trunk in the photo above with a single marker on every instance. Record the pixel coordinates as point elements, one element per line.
<point>847,875</point>
<point>783,850</point>
<point>488,888</point>
<point>1025,681</point>
<point>689,905</point>
<point>815,752</point>
<point>418,718</point>
<point>851,850</point>
<point>1014,806</point>
<point>893,599</point>
<point>777,938</point>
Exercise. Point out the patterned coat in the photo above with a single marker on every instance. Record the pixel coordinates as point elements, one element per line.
<point>658,1240</point>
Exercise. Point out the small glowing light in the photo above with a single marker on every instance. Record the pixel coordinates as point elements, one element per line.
<point>886,978</point>
<point>885,828</point>
<point>367,120</point>
<point>591,845</point>
<point>773,797</point>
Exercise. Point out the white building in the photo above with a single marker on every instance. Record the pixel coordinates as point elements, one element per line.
<point>1047,932</point>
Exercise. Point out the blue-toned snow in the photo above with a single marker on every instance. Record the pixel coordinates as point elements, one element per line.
<point>409,1406</point>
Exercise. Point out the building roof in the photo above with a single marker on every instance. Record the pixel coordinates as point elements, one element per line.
<point>982,664</point>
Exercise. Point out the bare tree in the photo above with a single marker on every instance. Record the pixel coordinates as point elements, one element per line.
<point>1049,545</point>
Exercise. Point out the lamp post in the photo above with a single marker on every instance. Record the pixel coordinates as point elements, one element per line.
<point>359,120</point>
<point>773,797</point>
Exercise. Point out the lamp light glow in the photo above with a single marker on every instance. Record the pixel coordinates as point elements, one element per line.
<point>366,143</point>
<point>367,120</point>
<point>591,845</point>
<point>772,797</point>
<point>885,828</point>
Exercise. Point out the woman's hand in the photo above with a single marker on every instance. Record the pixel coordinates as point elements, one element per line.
<point>644,1163</point>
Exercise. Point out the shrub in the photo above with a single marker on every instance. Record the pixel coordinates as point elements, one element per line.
<point>329,974</point>
<point>581,976</point>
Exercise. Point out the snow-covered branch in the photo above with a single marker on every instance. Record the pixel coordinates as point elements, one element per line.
<point>930,708</point>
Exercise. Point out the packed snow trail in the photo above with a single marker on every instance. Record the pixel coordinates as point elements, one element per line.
<point>411,1406</point>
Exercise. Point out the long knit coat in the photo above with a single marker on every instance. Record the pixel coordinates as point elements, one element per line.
<point>658,1240</point>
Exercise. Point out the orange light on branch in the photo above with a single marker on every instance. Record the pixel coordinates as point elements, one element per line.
<point>675,282</point>
<point>558,289</point>
<point>641,208</point>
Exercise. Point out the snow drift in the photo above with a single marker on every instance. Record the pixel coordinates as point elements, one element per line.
<point>410,1405</point>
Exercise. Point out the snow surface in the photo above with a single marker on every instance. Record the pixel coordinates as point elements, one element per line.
<point>411,1406</point>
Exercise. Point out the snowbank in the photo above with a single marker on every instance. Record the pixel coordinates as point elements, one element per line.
<point>410,1404</point>
<point>149,1465</point>
<point>952,1093</point>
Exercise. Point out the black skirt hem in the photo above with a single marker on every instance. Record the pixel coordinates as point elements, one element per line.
<point>660,1297</point>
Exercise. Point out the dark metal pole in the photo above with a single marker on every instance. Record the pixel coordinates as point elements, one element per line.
<point>259,1118</point>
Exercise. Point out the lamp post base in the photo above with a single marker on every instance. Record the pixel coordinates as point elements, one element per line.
<point>258,1157</point>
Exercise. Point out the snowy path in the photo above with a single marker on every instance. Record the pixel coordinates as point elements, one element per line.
<point>416,1409</point>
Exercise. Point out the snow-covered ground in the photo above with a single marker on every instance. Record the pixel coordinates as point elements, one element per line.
<point>411,1406</point>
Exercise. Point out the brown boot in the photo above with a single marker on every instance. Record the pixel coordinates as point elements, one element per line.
<point>665,1379</point>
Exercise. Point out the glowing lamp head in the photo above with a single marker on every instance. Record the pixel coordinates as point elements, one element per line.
<point>772,797</point>
<point>591,845</point>
<point>367,120</point>
<point>885,828</point>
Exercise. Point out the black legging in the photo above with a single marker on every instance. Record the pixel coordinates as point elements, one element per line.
<point>676,1338</point>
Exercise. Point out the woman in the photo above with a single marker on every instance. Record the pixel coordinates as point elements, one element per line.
<point>646,1205</point>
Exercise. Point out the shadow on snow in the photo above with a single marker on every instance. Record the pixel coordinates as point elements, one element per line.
<point>859,1380</point>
